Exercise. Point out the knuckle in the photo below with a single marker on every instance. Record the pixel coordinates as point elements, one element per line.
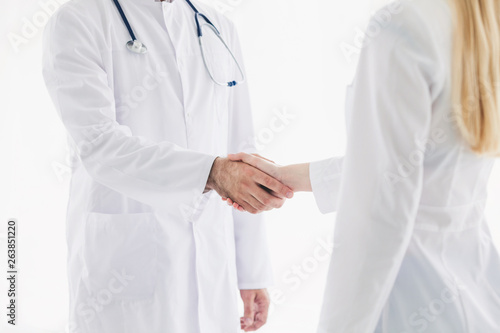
<point>283,189</point>
<point>274,202</point>
<point>247,171</point>
<point>268,181</point>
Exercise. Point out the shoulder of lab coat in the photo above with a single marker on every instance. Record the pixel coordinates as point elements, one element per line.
<point>155,173</point>
<point>391,112</point>
<point>253,260</point>
<point>325,178</point>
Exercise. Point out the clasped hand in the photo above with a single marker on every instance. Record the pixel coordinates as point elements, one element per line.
<point>253,183</point>
<point>252,189</point>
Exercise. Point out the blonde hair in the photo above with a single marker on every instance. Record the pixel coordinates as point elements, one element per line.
<point>476,73</point>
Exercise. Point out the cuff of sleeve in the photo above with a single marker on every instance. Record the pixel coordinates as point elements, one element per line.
<point>192,207</point>
<point>206,166</point>
<point>255,285</point>
<point>325,182</point>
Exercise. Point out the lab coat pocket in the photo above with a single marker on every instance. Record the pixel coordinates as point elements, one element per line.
<point>120,256</point>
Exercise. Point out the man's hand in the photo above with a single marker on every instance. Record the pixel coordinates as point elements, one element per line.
<point>254,190</point>
<point>295,176</point>
<point>256,308</point>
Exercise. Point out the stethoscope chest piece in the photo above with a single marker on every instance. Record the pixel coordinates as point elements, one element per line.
<point>137,47</point>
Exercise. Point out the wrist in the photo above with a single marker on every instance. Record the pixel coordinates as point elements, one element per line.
<point>212,182</point>
<point>296,176</point>
<point>287,178</point>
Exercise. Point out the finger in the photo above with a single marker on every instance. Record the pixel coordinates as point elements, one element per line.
<point>255,325</point>
<point>270,191</point>
<point>259,163</point>
<point>242,323</point>
<point>237,157</point>
<point>253,160</point>
<point>238,207</point>
<point>261,314</point>
<point>264,158</point>
<point>249,315</point>
<point>259,205</point>
<point>233,204</point>
<point>266,199</point>
<point>281,190</point>
<point>245,325</point>
<point>259,321</point>
<point>248,205</point>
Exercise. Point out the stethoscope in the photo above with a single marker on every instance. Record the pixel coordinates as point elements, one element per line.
<point>138,47</point>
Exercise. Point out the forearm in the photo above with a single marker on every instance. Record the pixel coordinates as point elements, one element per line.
<point>297,177</point>
<point>154,173</point>
<point>211,181</point>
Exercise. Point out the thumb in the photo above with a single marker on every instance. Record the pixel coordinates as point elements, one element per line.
<point>249,311</point>
<point>262,157</point>
<point>236,157</point>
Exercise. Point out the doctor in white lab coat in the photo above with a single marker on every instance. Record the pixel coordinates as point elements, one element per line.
<point>151,248</point>
<point>412,251</point>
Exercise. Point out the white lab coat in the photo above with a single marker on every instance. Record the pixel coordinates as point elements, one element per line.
<point>412,248</point>
<point>148,251</point>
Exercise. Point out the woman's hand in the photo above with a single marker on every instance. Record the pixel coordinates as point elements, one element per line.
<point>296,177</point>
<point>259,162</point>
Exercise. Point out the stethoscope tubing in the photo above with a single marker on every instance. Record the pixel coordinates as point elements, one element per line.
<point>125,20</point>
<point>142,48</point>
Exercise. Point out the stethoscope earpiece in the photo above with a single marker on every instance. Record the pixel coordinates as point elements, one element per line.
<point>137,47</point>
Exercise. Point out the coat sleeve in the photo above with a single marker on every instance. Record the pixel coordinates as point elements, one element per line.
<point>325,182</point>
<point>155,173</point>
<point>252,254</point>
<point>382,175</point>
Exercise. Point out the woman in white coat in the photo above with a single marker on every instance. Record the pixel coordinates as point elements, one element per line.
<point>413,252</point>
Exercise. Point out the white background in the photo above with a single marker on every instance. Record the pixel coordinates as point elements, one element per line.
<point>294,63</point>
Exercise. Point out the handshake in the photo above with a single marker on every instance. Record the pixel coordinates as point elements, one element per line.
<point>254,184</point>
